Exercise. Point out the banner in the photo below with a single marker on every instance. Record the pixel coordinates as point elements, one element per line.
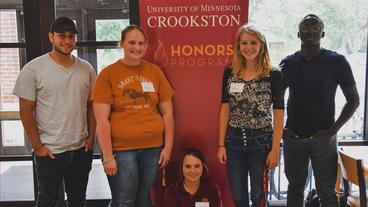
<point>192,42</point>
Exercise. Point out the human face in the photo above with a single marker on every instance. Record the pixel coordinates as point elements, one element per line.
<point>249,46</point>
<point>134,46</point>
<point>310,32</point>
<point>63,43</point>
<point>192,168</point>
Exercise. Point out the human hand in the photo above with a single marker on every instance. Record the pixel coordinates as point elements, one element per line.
<point>89,144</point>
<point>221,155</point>
<point>272,159</point>
<point>43,151</point>
<point>165,156</point>
<point>110,166</point>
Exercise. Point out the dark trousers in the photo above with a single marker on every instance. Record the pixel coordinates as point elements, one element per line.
<point>323,155</point>
<point>71,166</point>
<point>247,157</point>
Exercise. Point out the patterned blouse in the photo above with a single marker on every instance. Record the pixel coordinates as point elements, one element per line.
<point>251,101</point>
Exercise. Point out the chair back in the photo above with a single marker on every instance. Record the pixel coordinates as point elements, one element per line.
<point>352,171</point>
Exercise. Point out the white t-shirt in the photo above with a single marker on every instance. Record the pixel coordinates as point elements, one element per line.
<point>61,97</point>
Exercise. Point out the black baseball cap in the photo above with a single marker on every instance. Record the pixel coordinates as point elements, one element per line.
<point>62,24</point>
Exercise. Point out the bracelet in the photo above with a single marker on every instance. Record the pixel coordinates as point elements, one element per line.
<point>106,161</point>
<point>221,146</point>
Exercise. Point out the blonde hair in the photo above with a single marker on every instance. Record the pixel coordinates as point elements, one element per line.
<point>239,62</point>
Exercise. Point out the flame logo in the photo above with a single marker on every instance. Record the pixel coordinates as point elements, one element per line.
<point>160,58</point>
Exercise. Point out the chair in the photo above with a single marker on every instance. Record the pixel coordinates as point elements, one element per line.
<point>352,171</point>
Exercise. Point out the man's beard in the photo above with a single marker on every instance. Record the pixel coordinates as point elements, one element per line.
<point>59,50</point>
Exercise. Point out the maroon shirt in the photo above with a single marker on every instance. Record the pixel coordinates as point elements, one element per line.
<point>176,196</point>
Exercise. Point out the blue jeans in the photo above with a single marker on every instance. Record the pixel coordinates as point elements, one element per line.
<point>73,167</point>
<point>247,157</point>
<point>137,170</point>
<point>323,155</point>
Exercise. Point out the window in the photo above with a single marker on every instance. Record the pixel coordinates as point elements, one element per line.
<point>109,30</point>
<point>346,32</point>
<point>99,25</point>
<point>12,58</point>
<point>16,180</point>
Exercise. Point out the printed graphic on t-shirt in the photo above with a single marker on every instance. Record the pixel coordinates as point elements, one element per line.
<point>134,95</point>
<point>132,79</point>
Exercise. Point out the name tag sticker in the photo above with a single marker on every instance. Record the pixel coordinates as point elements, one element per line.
<point>236,87</point>
<point>148,87</point>
<point>202,204</point>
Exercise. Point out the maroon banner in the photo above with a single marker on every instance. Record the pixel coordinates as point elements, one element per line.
<point>192,42</point>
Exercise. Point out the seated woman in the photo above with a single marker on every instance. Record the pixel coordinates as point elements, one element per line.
<point>192,188</point>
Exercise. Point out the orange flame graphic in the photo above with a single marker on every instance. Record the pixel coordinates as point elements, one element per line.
<point>159,57</point>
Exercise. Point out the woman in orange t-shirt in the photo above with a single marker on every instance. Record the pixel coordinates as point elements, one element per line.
<point>134,113</point>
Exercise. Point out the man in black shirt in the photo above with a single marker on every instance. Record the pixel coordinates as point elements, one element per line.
<point>312,75</point>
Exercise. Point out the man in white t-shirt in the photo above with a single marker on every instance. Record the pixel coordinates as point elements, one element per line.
<point>54,93</point>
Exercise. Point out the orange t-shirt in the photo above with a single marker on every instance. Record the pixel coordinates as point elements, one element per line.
<point>134,93</point>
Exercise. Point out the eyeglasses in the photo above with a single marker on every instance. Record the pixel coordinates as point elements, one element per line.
<point>313,28</point>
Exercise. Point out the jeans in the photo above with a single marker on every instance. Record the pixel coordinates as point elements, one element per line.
<point>137,170</point>
<point>72,166</point>
<point>323,155</point>
<point>243,157</point>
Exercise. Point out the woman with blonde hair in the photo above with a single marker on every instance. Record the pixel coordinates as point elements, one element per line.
<point>251,116</point>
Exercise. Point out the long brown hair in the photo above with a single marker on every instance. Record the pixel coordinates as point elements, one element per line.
<point>239,62</point>
<point>197,154</point>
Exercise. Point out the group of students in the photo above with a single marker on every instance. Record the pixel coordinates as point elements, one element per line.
<point>62,102</point>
